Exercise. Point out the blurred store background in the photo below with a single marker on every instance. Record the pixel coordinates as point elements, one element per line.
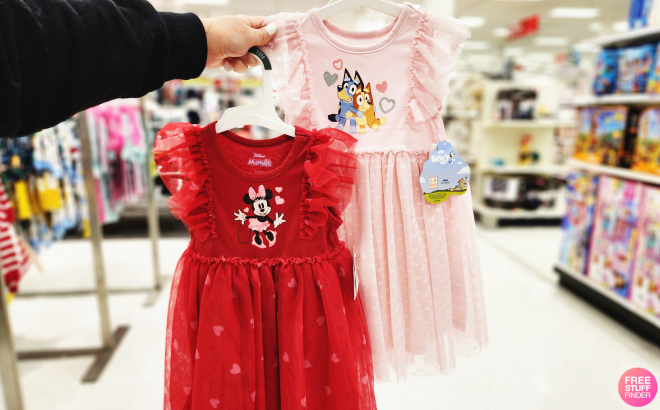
<point>555,105</point>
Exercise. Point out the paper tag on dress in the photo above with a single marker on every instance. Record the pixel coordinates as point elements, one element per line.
<point>444,174</point>
<point>356,280</point>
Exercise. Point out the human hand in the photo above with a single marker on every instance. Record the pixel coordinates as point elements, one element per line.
<point>229,38</point>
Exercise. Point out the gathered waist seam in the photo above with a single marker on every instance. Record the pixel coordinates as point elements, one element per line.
<point>269,261</point>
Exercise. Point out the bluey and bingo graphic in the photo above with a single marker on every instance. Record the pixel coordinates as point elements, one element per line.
<point>356,103</point>
<point>444,174</point>
<point>260,222</point>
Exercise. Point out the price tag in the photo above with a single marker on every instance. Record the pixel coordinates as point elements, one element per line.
<point>444,174</point>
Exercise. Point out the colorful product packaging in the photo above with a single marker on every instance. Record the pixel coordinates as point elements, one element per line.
<point>653,84</point>
<point>605,78</point>
<point>645,292</point>
<point>609,135</point>
<point>638,15</point>
<point>585,136</point>
<point>635,65</point>
<point>615,234</point>
<point>647,148</point>
<point>581,191</point>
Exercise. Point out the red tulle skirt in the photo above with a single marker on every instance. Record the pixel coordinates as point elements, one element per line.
<point>277,334</point>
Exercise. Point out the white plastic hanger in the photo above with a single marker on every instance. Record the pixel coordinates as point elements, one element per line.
<point>340,6</point>
<point>263,112</point>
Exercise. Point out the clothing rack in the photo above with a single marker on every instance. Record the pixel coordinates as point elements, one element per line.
<point>109,339</point>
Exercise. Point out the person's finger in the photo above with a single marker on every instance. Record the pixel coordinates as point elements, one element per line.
<point>249,60</point>
<point>227,66</point>
<point>238,65</point>
<point>255,21</point>
<point>262,36</point>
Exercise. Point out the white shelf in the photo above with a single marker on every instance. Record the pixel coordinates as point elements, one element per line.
<point>642,99</point>
<point>615,171</point>
<point>526,170</point>
<point>522,124</point>
<point>518,213</point>
<point>609,294</point>
<point>462,114</point>
<point>638,35</point>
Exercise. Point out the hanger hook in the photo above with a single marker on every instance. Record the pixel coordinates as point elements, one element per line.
<point>261,56</point>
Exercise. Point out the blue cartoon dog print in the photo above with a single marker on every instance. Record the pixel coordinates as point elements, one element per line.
<point>346,92</point>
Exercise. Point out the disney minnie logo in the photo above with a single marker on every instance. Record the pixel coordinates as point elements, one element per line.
<point>260,222</point>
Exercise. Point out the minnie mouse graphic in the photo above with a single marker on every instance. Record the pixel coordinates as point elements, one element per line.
<point>260,221</point>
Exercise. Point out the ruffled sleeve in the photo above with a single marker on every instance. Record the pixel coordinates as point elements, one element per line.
<point>329,175</point>
<point>182,165</point>
<point>436,48</point>
<point>292,76</point>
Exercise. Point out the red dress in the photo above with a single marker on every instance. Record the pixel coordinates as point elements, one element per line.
<point>262,312</point>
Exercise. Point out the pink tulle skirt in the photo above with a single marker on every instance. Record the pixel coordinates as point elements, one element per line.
<point>276,334</point>
<point>419,270</point>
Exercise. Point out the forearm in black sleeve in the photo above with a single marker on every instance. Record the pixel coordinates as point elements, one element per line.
<point>58,57</point>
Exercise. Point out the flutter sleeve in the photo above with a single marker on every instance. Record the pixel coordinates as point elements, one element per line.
<point>436,48</point>
<point>328,179</point>
<point>182,165</point>
<point>292,76</point>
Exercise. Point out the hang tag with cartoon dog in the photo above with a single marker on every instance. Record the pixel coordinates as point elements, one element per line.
<point>444,174</point>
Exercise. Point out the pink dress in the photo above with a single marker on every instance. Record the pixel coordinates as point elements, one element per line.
<point>420,278</point>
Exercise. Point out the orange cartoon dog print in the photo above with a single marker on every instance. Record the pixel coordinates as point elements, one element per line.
<point>363,102</point>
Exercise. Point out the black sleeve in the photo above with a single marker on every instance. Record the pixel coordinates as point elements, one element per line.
<point>58,57</point>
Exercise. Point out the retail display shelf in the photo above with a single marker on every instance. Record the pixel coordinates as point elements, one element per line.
<point>641,99</point>
<point>615,304</point>
<point>462,114</point>
<point>518,213</point>
<point>630,37</point>
<point>527,170</point>
<point>615,171</point>
<point>522,124</point>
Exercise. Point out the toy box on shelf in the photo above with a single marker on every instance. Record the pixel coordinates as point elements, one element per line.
<point>645,291</point>
<point>647,150</point>
<point>614,138</point>
<point>615,233</point>
<point>577,225</point>
<point>635,65</point>
<point>585,144</point>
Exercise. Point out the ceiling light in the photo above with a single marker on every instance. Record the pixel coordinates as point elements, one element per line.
<point>551,41</point>
<point>476,45</point>
<point>574,12</point>
<point>501,32</point>
<point>620,26</point>
<point>586,47</point>
<point>473,21</point>
<point>596,26</point>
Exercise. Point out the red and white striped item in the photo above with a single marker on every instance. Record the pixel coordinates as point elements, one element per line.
<point>14,258</point>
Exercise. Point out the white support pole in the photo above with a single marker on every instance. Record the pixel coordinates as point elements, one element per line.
<point>96,232</point>
<point>8,368</point>
<point>153,219</point>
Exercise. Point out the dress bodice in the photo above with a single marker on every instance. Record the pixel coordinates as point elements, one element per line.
<point>270,200</point>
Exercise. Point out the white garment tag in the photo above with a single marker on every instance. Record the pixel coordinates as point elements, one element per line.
<point>356,280</point>
<point>444,174</point>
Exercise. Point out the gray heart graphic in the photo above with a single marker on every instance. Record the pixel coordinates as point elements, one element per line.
<point>330,78</point>
<point>388,101</point>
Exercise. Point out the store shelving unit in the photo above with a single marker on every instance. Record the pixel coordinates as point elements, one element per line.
<point>110,338</point>
<point>646,34</point>
<point>619,308</point>
<point>616,99</point>
<point>501,140</point>
<point>615,171</point>
<point>604,299</point>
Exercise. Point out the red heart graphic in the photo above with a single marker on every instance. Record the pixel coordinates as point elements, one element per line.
<point>338,64</point>
<point>382,87</point>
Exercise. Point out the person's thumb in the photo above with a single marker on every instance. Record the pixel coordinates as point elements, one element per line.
<point>265,34</point>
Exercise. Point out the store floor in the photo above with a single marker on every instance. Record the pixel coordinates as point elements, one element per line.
<point>548,349</point>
